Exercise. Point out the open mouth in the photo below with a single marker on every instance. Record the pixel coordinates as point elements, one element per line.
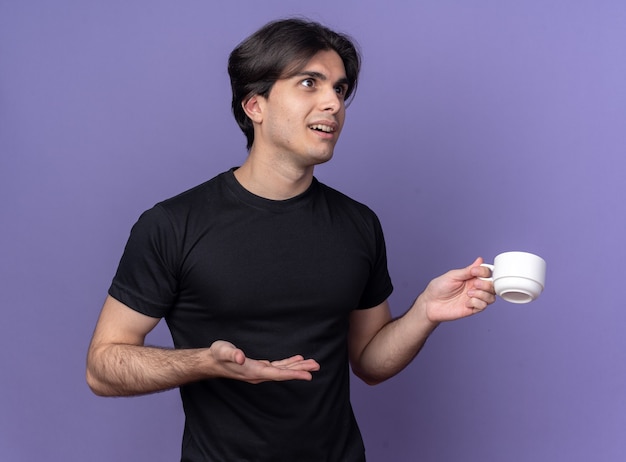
<point>322,128</point>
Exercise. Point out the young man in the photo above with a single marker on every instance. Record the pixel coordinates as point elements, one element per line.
<point>271,283</point>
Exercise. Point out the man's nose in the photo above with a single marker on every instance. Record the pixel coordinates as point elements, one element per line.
<point>331,100</point>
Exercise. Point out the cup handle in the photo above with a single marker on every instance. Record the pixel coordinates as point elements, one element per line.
<point>487,265</point>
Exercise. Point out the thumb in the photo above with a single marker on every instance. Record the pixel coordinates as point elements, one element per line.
<point>226,351</point>
<point>469,272</point>
<point>479,269</point>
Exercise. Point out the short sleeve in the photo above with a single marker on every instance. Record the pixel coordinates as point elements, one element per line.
<point>379,287</point>
<point>146,278</point>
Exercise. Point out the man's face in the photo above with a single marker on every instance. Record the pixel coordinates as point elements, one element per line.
<point>303,115</point>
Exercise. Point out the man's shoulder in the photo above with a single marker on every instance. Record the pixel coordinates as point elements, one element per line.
<point>201,200</point>
<point>342,199</point>
<point>196,193</point>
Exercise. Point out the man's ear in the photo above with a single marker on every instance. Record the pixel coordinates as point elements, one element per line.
<point>253,107</point>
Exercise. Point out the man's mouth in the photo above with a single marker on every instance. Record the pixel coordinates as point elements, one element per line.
<point>323,128</point>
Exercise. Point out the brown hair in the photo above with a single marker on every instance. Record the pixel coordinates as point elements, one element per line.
<point>278,50</point>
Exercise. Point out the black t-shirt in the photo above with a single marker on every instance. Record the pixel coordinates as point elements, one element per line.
<point>275,278</point>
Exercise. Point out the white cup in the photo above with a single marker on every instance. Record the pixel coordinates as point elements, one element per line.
<point>518,277</point>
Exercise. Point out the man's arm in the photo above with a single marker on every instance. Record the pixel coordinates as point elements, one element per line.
<point>381,347</point>
<point>118,363</point>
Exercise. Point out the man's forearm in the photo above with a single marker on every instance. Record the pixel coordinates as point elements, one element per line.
<point>126,370</point>
<point>395,345</point>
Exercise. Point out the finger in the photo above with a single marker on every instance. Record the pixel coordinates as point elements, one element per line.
<point>307,365</point>
<point>480,272</point>
<point>485,286</point>
<point>239,356</point>
<point>287,361</point>
<point>299,364</point>
<point>477,270</point>
<point>476,304</point>
<point>467,273</point>
<point>226,351</point>
<point>480,299</point>
<point>284,374</point>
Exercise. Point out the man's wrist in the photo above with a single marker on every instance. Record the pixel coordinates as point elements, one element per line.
<point>421,308</point>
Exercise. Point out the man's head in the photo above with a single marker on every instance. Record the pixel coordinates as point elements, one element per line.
<point>279,50</point>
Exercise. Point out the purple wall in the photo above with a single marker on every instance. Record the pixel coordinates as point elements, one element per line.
<point>479,127</point>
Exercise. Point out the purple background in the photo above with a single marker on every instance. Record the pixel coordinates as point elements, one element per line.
<point>479,127</point>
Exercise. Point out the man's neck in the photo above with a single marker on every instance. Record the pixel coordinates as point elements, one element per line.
<point>273,180</point>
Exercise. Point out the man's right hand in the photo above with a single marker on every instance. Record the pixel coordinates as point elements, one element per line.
<point>231,362</point>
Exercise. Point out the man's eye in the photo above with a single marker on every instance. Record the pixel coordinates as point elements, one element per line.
<point>341,90</point>
<point>309,83</point>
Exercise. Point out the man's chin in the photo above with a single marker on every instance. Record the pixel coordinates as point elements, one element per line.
<point>322,159</point>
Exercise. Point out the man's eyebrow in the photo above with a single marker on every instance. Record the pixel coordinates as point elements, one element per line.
<point>320,76</point>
